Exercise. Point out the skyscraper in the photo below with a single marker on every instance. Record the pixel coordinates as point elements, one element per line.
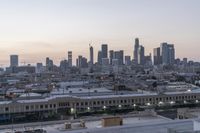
<point>14,62</point>
<point>49,64</point>
<point>127,60</point>
<point>70,58</point>
<point>111,56</point>
<point>104,50</point>
<point>141,57</point>
<point>136,47</point>
<point>167,52</point>
<point>99,58</point>
<point>91,55</point>
<point>171,54</point>
<point>81,62</point>
<point>156,56</point>
<point>119,55</point>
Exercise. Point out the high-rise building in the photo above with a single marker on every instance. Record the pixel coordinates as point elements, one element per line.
<point>167,52</point>
<point>185,61</point>
<point>111,56</point>
<point>99,58</point>
<point>141,57</point>
<point>81,62</point>
<point>64,65</point>
<point>49,64</point>
<point>120,56</point>
<point>148,60</point>
<point>14,62</point>
<point>104,50</point>
<point>156,56</point>
<point>127,60</point>
<point>39,68</point>
<point>91,55</point>
<point>136,47</point>
<point>171,54</point>
<point>70,58</point>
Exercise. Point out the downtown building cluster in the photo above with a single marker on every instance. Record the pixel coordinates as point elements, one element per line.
<point>108,59</point>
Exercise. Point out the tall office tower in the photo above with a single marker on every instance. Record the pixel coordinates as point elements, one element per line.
<point>127,60</point>
<point>167,52</point>
<point>104,50</point>
<point>14,62</point>
<point>70,58</point>
<point>81,62</point>
<point>164,53</point>
<point>171,54</point>
<point>64,65</point>
<point>49,64</point>
<point>120,56</point>
<point>185,61</point>
<point>141,57</point>
<point>111,56</point>
<point>156,56</point>
<point>39,67</point>
<point>148,60</point>
<point>136,47</point>
<point>84,63</point>
<point>99,58</point>
<point>47,61</point>
<point>91,55</point>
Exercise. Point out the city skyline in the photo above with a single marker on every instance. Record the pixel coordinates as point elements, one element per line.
<point>39,29</point>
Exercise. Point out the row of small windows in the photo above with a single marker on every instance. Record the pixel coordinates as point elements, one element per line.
<point>123,101</point>
<point>32,107</point>
<point>139,100</point>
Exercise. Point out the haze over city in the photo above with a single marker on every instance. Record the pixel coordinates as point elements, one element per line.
<point>37,29</point>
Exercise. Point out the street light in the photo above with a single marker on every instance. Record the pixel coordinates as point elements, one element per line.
<point>72,110</point>
<point>88,108</point>
<point>148,104</point>
<point>160,103</point>
<point>197,101</point>
<point>172,102</point>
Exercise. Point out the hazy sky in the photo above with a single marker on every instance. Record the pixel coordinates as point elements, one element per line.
<point>35,29</point>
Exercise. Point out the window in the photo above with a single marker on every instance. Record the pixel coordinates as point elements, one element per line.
<point>27,107</point>
<point>6,109</point>
<point>41,106</point>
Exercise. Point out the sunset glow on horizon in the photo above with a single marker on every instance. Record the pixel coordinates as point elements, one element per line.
<point>49,28</point>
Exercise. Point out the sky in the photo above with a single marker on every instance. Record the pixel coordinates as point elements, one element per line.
<point>36,29</point>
